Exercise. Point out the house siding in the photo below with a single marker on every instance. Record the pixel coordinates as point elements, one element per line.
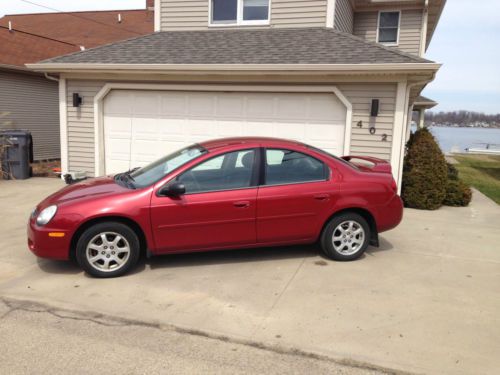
<point>80,131</point>
<point>194,14</point>
<point>31,103</point>
<point>344,16</point>
<point>365,26</point>
<point>81,145</point>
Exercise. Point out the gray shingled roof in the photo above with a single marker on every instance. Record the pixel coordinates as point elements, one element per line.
<point>249,46</point>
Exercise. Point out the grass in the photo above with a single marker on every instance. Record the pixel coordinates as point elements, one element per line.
<point>481,172</point>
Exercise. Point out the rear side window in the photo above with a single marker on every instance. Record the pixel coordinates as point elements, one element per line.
<point>290,167</point>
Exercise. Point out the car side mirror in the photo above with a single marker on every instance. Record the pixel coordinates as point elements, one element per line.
<point>173,190</point>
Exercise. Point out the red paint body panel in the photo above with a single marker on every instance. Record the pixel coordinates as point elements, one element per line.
<point>243,218</point>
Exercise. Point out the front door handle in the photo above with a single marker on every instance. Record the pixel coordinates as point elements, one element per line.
<point>322,197</point>
<point>241,204</point>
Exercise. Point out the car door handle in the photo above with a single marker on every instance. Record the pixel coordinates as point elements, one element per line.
<point>322,197</point>
<point>241,204</point>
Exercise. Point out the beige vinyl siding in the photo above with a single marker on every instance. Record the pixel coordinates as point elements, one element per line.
<point>30,102</point>
<point>81,145</point>
<point>194,14</point>
<point>81,148</point>
<point>360,95</point>
<point>365,26</point>
<point>344,16</point>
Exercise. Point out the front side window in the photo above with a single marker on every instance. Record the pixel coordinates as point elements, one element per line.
<point>229,171</point>
<point>289,167</point>
<point>239,12</point>
<point>388,27</point>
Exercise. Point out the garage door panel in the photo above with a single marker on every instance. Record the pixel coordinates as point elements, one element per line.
<point>142,126</point>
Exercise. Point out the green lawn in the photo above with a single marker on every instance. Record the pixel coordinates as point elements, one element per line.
<point>481,172</point>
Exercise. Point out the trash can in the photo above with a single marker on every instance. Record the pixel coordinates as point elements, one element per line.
<point>17,147</point>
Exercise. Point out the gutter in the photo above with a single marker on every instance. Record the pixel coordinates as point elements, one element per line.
<point>231,68</point>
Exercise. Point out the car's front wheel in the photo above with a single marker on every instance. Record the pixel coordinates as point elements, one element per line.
<point>108,249</point>
<point>345,237</point>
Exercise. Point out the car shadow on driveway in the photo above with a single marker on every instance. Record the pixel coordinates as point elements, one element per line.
<point>58,266</point>
<point>231,256</point>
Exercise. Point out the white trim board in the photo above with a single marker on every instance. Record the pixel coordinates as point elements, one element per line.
<point>157,16</point>
<point>99,167</point>
<point>63,126</point>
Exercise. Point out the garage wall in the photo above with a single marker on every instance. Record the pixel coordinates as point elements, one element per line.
<point>81,121</point>
<point>31,102</point>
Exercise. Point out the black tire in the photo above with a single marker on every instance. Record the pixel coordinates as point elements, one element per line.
<point>128,240</point>
<point>327,243</point>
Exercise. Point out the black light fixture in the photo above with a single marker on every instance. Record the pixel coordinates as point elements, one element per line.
<point>375,106</point>
<point>77,100</point>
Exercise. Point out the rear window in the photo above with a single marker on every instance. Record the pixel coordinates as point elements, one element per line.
<point>333,157</point>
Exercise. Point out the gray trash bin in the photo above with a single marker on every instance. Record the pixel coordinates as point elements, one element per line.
<point>17,154</point>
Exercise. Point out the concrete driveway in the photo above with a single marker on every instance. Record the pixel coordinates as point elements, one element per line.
<point>426,301</point>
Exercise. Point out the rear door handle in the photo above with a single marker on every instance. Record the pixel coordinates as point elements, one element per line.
<point>241,204</point>
<point>322,197</point>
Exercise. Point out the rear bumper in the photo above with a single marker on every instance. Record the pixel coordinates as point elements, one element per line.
<point>45,246</point>
<point>390,215</point>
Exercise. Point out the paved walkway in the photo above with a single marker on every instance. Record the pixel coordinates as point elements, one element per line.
<point>426,301</point>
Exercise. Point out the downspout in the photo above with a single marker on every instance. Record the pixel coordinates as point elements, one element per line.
<point>51,78</point>
<point>425,21</point>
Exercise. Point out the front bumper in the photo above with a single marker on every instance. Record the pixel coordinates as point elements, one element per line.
<point>43,245</point>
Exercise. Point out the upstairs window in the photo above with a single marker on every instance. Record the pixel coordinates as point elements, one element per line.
<point>239,12</point>
<point>388,27</point>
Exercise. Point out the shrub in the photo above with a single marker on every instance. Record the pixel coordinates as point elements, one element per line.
<point>458,194</point>
<point>425,173</point>
<point>452,172</point>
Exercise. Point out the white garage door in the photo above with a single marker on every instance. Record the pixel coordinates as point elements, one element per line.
<point>142,126</point>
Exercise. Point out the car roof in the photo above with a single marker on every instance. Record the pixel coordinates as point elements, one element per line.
<point>225,142</point>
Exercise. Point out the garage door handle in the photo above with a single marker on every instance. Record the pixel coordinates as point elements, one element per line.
<point>322,197</point>
<point>242,204</point>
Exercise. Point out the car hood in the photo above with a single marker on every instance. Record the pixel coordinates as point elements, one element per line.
<point>90,188</point>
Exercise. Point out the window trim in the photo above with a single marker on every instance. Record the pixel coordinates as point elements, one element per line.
<point>262,181</point>
<point>389,44</point>
<point>239,17</point>
<point>254,180</point>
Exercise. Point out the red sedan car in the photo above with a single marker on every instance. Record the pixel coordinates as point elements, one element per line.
<point>221,194</point>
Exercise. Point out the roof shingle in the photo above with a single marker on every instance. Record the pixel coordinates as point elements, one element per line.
<point>244,46</point>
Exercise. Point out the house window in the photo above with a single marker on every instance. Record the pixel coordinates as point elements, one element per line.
<point>239,12</point>
<point>388,27</point>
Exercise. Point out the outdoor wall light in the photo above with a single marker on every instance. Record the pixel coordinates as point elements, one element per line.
<point>77,100</point>
<point>375,106</point>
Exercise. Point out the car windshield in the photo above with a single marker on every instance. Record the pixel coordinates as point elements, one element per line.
<point>155,171</point>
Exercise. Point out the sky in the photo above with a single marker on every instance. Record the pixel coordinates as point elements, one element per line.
<point>466,42</point>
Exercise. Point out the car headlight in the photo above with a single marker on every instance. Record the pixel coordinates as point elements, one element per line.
<point>46,215</point>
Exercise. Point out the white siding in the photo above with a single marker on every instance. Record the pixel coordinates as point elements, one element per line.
<point>344,16</point>
<point>193,14</point>
<point>365,26</point>
<point>31,103</point>
<point>81,121</point>
<point>81,126</point>
<point>360,96</point>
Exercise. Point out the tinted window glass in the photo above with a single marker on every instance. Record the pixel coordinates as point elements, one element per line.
<point>225,172</point>
<point>388,27</point>
<point>224,11</point>
<point>286,167</point>
<point>255,10</point>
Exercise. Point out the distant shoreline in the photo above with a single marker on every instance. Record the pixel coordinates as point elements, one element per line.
<point>464,127</point>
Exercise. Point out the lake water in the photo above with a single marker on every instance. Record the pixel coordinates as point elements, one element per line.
<point>462,138</point>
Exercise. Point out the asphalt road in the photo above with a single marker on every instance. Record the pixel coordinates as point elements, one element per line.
<point>36,338</point>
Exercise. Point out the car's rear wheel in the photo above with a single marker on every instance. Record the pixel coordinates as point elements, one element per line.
<point>345,237</point>
<point>108,249</point>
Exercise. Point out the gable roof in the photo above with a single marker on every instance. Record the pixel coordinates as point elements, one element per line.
<point>243,46</point>
<point>44,35</point>
<point>18,48</point>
